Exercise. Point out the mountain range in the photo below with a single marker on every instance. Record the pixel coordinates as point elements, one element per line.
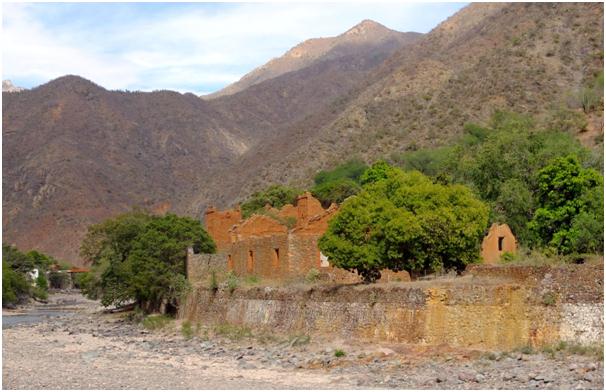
<point>75,153</point>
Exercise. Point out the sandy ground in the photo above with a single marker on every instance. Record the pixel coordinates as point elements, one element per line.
<point>84,348</point>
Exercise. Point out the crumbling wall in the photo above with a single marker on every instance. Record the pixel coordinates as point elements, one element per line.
<point>199,266</point>
<point>265,256</point>
<point>218,224</point>
<point>499,240</point>
<point>472,313</point>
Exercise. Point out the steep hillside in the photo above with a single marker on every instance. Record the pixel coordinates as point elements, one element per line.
<point>531,58</point>
<point>354,42</point>
<point>74,153</point>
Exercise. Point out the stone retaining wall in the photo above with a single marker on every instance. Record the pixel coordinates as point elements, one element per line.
<point>502,313</point>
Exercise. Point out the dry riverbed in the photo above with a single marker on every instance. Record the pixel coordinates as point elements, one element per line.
<point>84,348</point>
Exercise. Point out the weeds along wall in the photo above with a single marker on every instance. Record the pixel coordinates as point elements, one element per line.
<point>490,308</point>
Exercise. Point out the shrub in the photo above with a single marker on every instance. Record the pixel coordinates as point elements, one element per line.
<point>41,282</point>
<point>58,280</point>
<point>233,332</point>
<point>156,321</point>
<point>351,170</point>
<point>213,285</point>
<point>186,330</point>
<point>251,279</point>
<point>15,287</point>
<point>339,353</point>
<point>312,275</point>
<point>335,191</point>
<point>276,196</point>
<point>506,257</point>
<point>232,281</point>
<point>549,299</point>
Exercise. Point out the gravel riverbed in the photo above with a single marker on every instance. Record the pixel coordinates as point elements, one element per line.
<point>84,348</point>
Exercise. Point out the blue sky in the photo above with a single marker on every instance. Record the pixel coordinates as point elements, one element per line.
<point>187,47</point>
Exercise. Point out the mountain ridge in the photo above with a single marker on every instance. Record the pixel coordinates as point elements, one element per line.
<point>304,54</point>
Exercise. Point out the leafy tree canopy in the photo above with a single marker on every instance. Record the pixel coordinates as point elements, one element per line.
<point>571,199</point>
<point>16,284</point>
<point>275,195</point>
<point>141,257</point>
<point>404,221</point>
<point>335,191</point>
<point>499,163</point>
<point>351,169</point>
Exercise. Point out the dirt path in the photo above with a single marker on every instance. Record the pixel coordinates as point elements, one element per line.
<point>86,349</point>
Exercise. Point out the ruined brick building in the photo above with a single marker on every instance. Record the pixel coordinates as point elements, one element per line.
<point>282,244</point>
<point>278,244</point>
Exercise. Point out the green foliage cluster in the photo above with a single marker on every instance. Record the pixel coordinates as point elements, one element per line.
<point>156,321</point>
<point>140,257</point>
<point>275,195</point>
<point>502,164</point>
<point>405,221</point>
<point>571,213</point>
<point>16,284</point>
<point>336,185</point>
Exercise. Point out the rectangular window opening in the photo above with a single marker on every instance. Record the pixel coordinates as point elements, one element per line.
<point>501,243</point>
<point>276,258</point>
<point>250,262</point>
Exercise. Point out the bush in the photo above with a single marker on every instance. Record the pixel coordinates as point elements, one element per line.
<point>251,279</point>
<point>335,191</point>
<point>214,285</point>
<point>186,330</point>
<point>156,321</point>
<point>233,332</point>
<point>232,281</point>
<point>59,280</point>
<point>339,353</point>
<point>276,196</point>
<point>41,282</point>
<point>312,275</point>
<point>549,299</point>
<point>15,287</point>
<point>350,170</point>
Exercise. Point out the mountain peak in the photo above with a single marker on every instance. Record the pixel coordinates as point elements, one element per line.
<point>366,26</point>
<point>9,87</point>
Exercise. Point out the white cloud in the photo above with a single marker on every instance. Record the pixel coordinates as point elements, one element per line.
<point>195,48</point>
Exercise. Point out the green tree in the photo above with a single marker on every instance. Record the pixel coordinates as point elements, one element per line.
<point>276,196</point>
<point>515,205</point>
<point>139,257</point>
<point>14,285</point>
<point>404,221</point>
<point>379,170</point>
<point>335,191</point>
<point>351,170</point>
<point>570,199</point>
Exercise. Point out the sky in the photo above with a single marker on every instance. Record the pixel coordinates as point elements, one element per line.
<point>186,47</point>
